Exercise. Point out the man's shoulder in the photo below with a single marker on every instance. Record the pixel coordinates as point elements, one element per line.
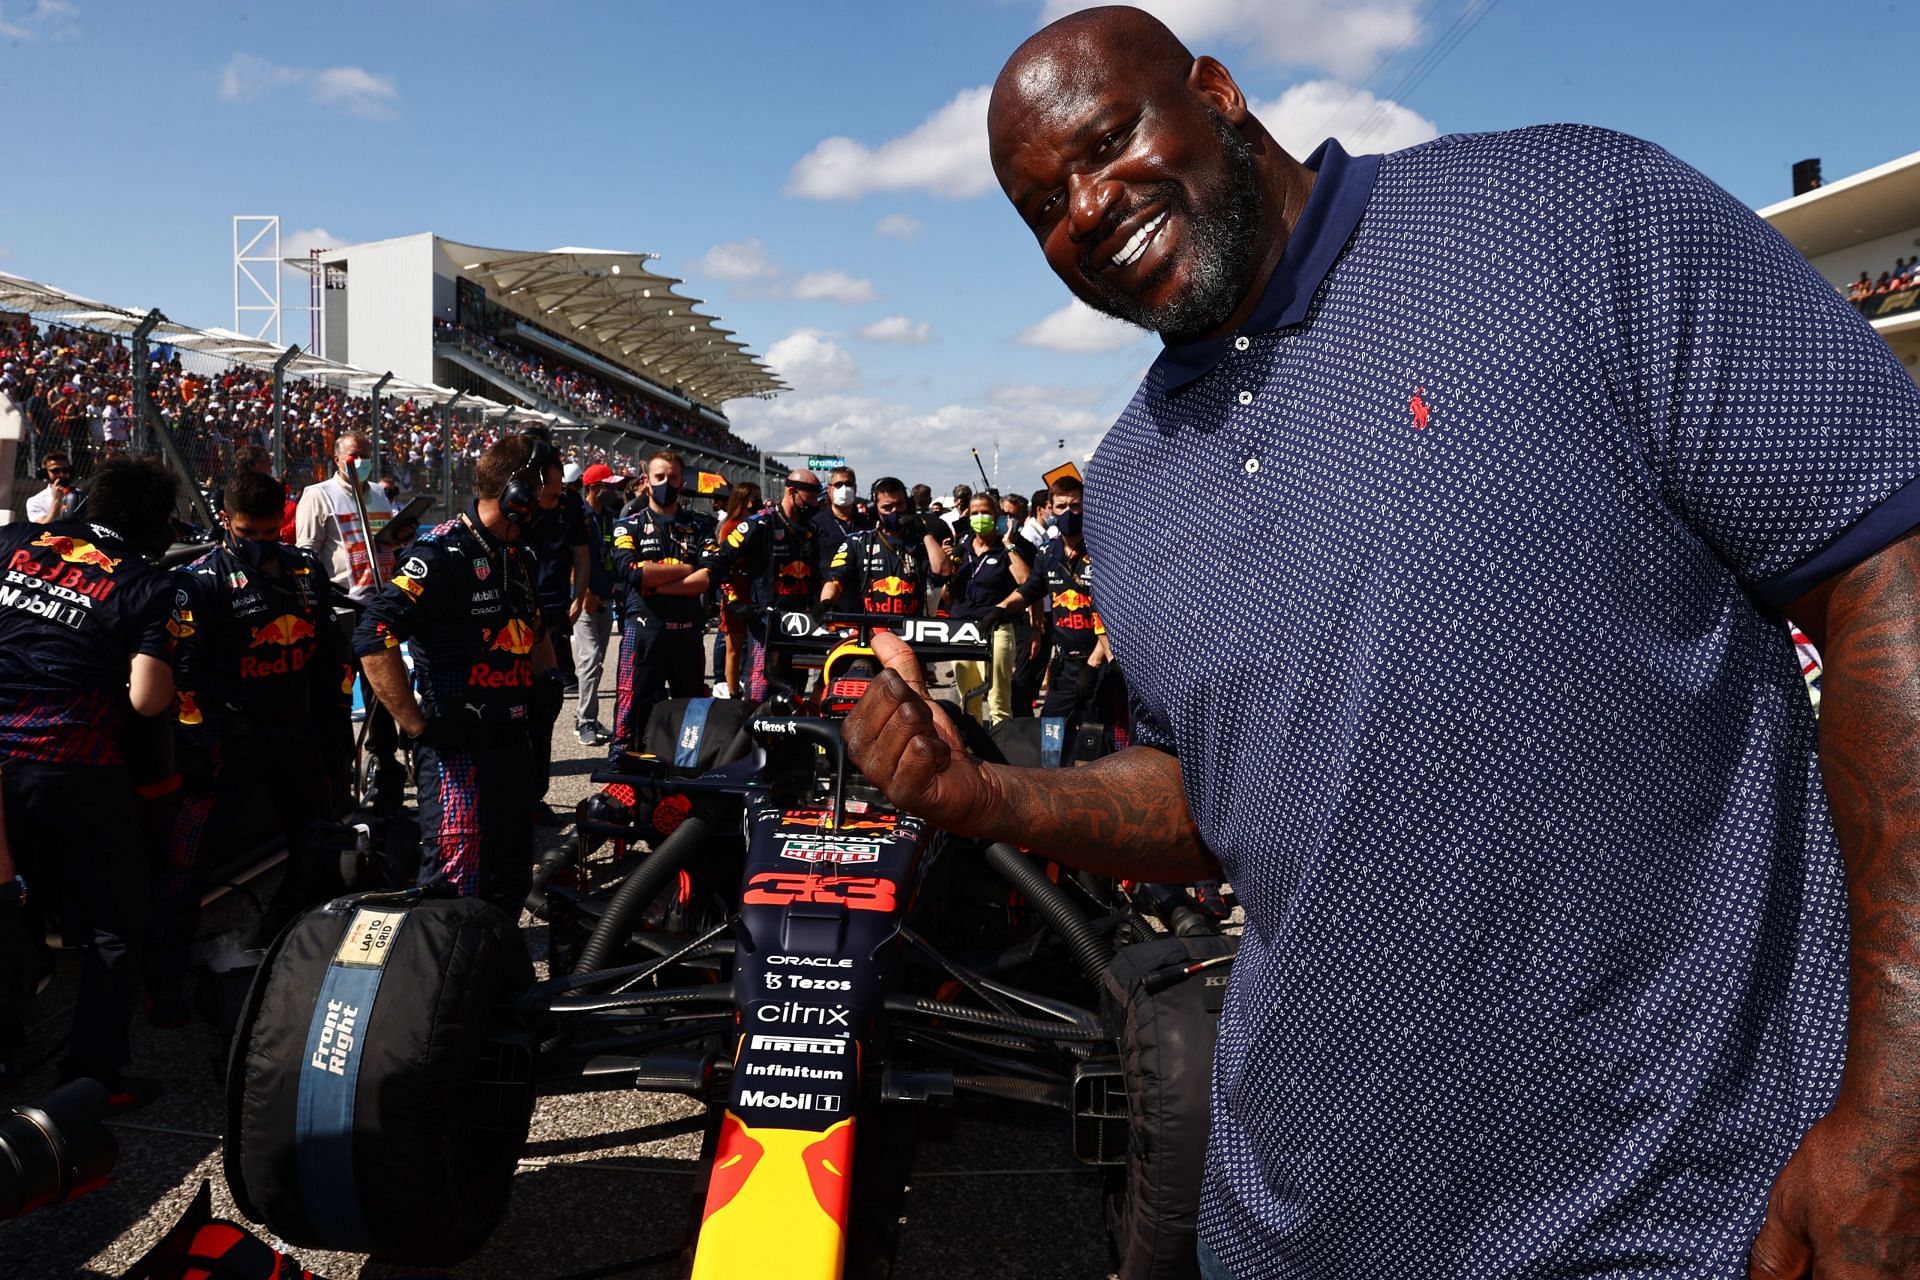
<point>1515,165</point>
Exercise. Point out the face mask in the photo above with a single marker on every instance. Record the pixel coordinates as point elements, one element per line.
<point>891,521</point>
<point>803,502</point>
<point>1006,524</point>
<point>982,525</point>
<point>666,493</point>
<point>843,495</point>
<point>1068,523</point>
<point>254,555</point>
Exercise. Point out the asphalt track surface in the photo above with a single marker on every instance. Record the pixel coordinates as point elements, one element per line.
<point>995,1190</point>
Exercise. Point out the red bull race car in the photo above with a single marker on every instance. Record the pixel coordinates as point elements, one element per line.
<point>744,920</point>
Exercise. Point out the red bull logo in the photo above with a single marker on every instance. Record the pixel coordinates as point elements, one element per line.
<point>793,578</point>
<point>76,551</point>
<point>286,631</point>
<point>891,594</point>
<point>515,638</point>
<point>1071,600</point>
<point>189,708</point>
<point>291,634</point>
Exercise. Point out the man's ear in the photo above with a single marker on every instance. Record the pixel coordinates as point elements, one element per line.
<point>1214,83</point>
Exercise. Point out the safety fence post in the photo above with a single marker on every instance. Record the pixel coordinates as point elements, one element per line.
<point>373,419</point>
<point>446,453</point>
<point>279,408</point>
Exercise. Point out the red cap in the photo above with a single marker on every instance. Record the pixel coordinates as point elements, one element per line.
<point>600,473</point>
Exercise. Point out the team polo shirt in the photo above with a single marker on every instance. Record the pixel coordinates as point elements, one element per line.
<point>1489,713</point>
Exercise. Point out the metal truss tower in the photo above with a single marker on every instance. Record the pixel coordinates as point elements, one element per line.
<point>256,300</point>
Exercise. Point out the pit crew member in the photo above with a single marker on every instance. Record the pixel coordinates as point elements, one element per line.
<point>656,556</point>
<point>887,569</point>
<point>83,641</point>
<point>775,549</point>
<point>263,682</point>
<point>464,601</point>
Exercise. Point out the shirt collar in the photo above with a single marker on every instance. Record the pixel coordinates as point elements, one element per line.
<point>1339,197</point>
<point>488,539</point>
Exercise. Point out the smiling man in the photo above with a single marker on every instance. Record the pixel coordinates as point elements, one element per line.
<point>1560,958</point>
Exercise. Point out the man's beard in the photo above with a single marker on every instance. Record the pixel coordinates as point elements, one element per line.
<point>1220,254</point>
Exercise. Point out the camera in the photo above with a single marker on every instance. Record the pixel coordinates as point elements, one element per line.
<point>55,1149</point>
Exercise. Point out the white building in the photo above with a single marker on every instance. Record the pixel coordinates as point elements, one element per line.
<point>463,316</point>
<point>1864,223</point>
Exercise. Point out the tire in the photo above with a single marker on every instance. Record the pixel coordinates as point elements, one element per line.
<point>378,1094</point>
<point>1166,1047</point>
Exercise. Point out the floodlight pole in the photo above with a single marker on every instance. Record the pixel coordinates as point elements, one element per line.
<point>279,415</point>
<point>373,419</point>
<point>446,451</point>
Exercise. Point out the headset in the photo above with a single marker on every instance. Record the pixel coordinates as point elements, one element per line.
<point>520,499</point>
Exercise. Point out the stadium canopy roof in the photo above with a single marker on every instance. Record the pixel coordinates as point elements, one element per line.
<point>613,304</point>
<point>60,307</point>
<point>1863,206</point>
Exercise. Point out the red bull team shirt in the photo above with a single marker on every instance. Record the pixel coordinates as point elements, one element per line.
<point>76,603</point>
<point>1068,580</point>
<point>1482,698</point>
<point>254,641</point>
<point>880,574</point>
<point>465,601</point>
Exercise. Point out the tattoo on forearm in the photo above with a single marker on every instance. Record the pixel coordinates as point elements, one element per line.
<point>1870,759</point>
<point>1125,815</point>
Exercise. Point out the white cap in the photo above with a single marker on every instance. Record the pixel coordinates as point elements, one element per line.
<point>571,472</point>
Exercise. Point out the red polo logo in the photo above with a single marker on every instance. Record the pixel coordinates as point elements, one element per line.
<point>1419,407</point>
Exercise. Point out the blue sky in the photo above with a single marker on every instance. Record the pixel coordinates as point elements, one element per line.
<point>816,171</point>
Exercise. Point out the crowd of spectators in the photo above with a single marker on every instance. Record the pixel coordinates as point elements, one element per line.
<point>75,388</point>
<point>588,394</point>
<point>1904,275</point>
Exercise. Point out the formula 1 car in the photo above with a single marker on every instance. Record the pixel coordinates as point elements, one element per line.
<point>814,965</point>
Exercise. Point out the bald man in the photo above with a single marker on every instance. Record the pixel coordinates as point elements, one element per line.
<point>1549,937</point>
<point>776,548</point>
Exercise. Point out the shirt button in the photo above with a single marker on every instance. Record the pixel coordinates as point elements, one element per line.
<point>1241,344</point>
<point>1253,465</point>
<point>1246,397</point>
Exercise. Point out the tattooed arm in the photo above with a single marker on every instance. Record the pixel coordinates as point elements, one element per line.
<point>1847,1205</point>
<point>1125,815</point>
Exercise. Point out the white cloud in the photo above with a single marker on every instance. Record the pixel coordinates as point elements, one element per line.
<point>1028,393</point>
<point>354,90</point>
<point>930,446</point>
<point>945,154</point>
<point>812,365</point>
<point>297,243</point>
<point>738,262</point>
<point>897,329</point>
<point>899,226</point>
<point>834,286</point>
<point>1078,328</point>
<point>1307,114</point>
<point>37,21</point>
<point>1342,36</point>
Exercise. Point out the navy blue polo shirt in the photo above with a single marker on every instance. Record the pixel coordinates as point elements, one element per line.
<point>1488,711</point>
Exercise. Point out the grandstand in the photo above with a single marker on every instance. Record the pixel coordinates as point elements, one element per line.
<point>593,337</point>
<point>1866,227</point>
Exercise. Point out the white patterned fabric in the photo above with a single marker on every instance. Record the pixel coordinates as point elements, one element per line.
<point>1486,709</point>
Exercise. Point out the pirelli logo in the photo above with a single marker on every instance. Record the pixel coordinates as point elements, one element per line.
<point>800,1044</point>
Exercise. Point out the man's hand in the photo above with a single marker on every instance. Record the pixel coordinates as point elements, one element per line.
<point>1846,1198</point>
<point>906,746</point>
